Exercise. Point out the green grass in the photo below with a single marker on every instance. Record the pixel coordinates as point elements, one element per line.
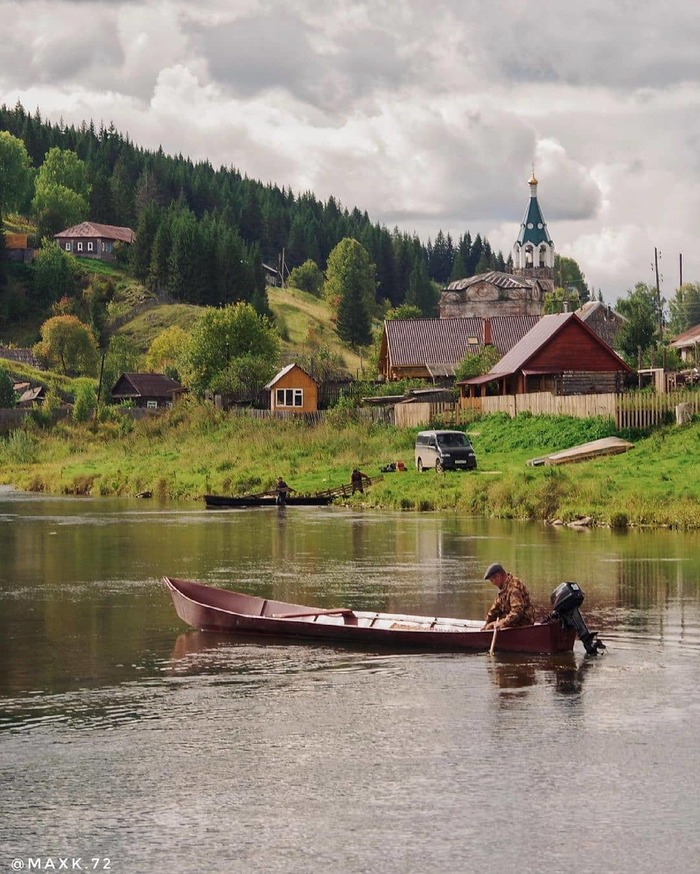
<point>305,323</point>
<point>195,449</point>
<point>144,327</point>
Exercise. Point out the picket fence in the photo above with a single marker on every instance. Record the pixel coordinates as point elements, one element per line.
<point>631,410</point>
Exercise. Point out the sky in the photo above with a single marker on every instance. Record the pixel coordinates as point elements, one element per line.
<point>428,114</point>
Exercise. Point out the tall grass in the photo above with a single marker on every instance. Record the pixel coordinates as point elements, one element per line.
<point>195,449</point>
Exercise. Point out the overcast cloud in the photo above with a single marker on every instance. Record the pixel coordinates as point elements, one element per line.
<point>426,113</point>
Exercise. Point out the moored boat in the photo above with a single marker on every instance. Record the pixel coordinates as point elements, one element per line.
<point>207,608</point>
<point>219,502</point>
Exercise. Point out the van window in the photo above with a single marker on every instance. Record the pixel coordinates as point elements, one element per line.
<point>454,439</point>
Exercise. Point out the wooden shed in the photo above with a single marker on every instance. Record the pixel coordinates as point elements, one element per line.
<point>292,390</point>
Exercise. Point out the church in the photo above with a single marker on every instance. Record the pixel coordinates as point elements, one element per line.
<point>520,293</point>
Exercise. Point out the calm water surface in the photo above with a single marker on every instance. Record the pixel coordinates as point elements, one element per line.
<point>124,736</point>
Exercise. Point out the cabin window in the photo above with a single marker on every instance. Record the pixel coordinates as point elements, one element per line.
<point>151,405</point>
<point>67,247</point>
<point>80,247</point>
<point>89,247</point>
<point>290,397</point>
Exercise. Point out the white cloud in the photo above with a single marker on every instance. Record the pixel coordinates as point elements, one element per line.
<point>426,114</point>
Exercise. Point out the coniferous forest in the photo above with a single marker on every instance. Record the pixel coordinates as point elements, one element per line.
<point>203,234</point>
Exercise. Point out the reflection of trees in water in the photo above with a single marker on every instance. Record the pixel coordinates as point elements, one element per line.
<point>651,582</point>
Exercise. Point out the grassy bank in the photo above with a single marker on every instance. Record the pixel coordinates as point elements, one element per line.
<point>195,449</point>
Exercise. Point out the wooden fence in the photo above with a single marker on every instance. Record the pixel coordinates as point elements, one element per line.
<point>629,410</point>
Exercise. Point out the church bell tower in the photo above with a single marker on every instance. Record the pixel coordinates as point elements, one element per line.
<point>533,252</point>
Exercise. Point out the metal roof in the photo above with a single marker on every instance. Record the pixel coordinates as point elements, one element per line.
<point>493,277</point>
<point>533,228</point>
<point>284,372</point>
<point>439,343</point>
<point>687,338</point>
<point>541,334</point>
<point>148,385</point>
<point>104,232</point>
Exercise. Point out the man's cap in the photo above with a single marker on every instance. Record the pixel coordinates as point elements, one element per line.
<point>493,569</point>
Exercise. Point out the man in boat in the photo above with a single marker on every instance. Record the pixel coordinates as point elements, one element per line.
<point>281,491</point>
<point>513,605</point>
<point>356,478</point>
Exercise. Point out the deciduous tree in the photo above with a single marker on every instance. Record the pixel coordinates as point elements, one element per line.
<point>641,330</point>
<point>307,277</point>
<point>349,289</point>
<point>67,346</point>
<point>684,308</point>
<point>15,173</point>
<point>221,335</point>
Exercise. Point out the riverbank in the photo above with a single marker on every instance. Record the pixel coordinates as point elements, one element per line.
<point>194,449</point>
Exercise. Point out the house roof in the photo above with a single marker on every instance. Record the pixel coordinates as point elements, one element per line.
<point>541,335</point>
<point>284,372</point>
<point>436,343</point>
<point>591,307</point>
<point>92,229</point>
<point>687,338</point>
<point>147,385</point>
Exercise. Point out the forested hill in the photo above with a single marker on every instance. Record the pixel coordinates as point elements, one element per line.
<point>227,218</point>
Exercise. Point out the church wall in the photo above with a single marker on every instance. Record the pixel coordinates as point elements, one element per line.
<point>485,300</point>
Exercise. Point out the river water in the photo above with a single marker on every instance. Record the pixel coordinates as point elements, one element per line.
<point>132,744</point>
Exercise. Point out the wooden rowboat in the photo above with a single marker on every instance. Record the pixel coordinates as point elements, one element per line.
<point>210,609</point>
<point>222,502</point>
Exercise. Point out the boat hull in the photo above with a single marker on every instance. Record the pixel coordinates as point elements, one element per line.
<point>206,608</point>
<point>222,502</point>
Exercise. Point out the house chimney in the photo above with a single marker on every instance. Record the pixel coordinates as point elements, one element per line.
<point>487,332</point>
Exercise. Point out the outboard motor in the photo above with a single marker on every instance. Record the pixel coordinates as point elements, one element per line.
<point>566,600</point>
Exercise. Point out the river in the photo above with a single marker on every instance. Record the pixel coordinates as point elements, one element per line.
<point>133,744</point>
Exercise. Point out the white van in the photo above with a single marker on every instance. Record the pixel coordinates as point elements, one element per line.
<point>444,450</point>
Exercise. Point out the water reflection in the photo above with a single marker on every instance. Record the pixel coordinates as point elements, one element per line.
<point>565,673</point>
<point>114,718</point>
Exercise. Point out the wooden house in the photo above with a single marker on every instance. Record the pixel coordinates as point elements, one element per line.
<point>603,320</point>
<point>560,355</point>
<point>92,240</point>
<point>292,390</point>
<point>150,390</point>
<point>688,344</point>
<point>433,348</point>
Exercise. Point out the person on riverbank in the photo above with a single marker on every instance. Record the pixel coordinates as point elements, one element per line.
<point>512,605</point>
<point>281,491</point>
<point>356,478</point>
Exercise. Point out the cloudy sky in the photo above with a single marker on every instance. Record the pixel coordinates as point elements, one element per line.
<point>429,114</point>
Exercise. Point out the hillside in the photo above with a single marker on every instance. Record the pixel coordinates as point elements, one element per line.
<point>304,321</point>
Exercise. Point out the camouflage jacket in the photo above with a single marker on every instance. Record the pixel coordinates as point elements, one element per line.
<point>512,604</point>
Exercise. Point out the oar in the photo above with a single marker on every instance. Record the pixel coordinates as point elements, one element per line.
<point>493,639</point>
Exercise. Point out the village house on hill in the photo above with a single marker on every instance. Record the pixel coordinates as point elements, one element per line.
<point>92,240</point>
<point>520,293</point>
<point>152,391</point>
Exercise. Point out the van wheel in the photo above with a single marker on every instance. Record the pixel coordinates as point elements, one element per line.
<point>438,466</point>
<point>419,465</point>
